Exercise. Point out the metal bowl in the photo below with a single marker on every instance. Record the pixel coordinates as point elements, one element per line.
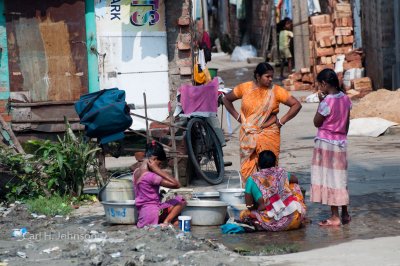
<point>232,196</point>
<point>206,212</point>
<point>211,195</point>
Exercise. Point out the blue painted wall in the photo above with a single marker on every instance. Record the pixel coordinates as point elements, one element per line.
<point>91,42</point>
<point>4,74</point>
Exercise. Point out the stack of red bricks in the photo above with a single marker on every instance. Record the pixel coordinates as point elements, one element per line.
<point>359,88</point>
<point>331,40</point>
<point>299,81</point>
<point>331,35</point>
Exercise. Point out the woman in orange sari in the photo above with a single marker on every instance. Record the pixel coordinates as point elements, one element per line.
<point>260,126</point>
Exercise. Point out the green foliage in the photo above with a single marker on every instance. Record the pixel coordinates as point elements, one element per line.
<point>56,167</point>
<point>51,206</point>
<point>67,162</point>
<point>25,175</point>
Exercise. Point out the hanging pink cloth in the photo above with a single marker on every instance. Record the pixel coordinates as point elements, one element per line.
<point>206,40</point>
<point>200,100</point>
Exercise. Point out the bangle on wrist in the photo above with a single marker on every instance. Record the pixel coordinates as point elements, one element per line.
<point>249,206</point>
<point>238,117</point>
<point>280,123</point>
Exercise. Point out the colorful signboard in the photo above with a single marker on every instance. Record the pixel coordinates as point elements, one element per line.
<point>131,16</point>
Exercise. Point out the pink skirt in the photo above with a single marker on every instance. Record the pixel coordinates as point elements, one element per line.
<point>329,174</point>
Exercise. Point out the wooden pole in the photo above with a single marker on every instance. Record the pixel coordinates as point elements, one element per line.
<point>172,130</point>
<point>146,118</point>
<point>16,145</point>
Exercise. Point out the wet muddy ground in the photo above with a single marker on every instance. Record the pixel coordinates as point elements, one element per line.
<point>84,239</point>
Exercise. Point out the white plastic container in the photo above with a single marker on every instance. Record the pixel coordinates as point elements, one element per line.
<point>232,196</point>
<point>120,212</point>
<point>184,223</point>
<point>120,189</point>
<point>206,212</point>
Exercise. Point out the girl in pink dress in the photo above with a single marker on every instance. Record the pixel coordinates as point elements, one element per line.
<point>329,163</point>
<point>147,180</point>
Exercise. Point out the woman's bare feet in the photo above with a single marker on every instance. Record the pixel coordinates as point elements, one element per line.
<point>332,221</point>
<point>346,219</point>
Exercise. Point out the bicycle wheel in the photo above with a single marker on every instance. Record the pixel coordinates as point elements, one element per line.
<point>205,151</point>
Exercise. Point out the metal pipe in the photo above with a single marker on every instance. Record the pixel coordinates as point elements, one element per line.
<point>205,15</point>
<point>12,104</point>
<point>146,117</point>
<point>150,119</point>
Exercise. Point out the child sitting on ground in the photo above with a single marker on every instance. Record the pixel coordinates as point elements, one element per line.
<point>147,180</point>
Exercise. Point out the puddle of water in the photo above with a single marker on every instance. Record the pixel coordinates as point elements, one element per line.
<point>373,215</point>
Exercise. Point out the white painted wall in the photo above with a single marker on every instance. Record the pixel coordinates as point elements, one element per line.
<point>134,58</point>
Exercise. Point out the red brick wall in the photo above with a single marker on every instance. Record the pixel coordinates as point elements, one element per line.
<point>3,111</point>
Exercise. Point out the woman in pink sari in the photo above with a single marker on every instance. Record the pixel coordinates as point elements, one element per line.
<point>147,181</point>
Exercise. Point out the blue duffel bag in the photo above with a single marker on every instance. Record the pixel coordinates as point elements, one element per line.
<point>105,114</point>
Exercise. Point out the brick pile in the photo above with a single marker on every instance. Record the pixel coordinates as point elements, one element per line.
<point>302,80</point>
<point>331,41</point>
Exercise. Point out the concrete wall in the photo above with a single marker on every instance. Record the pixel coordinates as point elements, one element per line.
<point>377,23</point>
<point>4,80</point>
<point>259,17</point>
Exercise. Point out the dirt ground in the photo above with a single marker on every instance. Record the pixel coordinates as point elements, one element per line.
<point>87,239</point>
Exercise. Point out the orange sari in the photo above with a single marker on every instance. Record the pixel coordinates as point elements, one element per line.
<point>258,103</point>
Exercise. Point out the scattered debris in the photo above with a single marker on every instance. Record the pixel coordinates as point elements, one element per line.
<point>49,250</point>
<point>21,254</point>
